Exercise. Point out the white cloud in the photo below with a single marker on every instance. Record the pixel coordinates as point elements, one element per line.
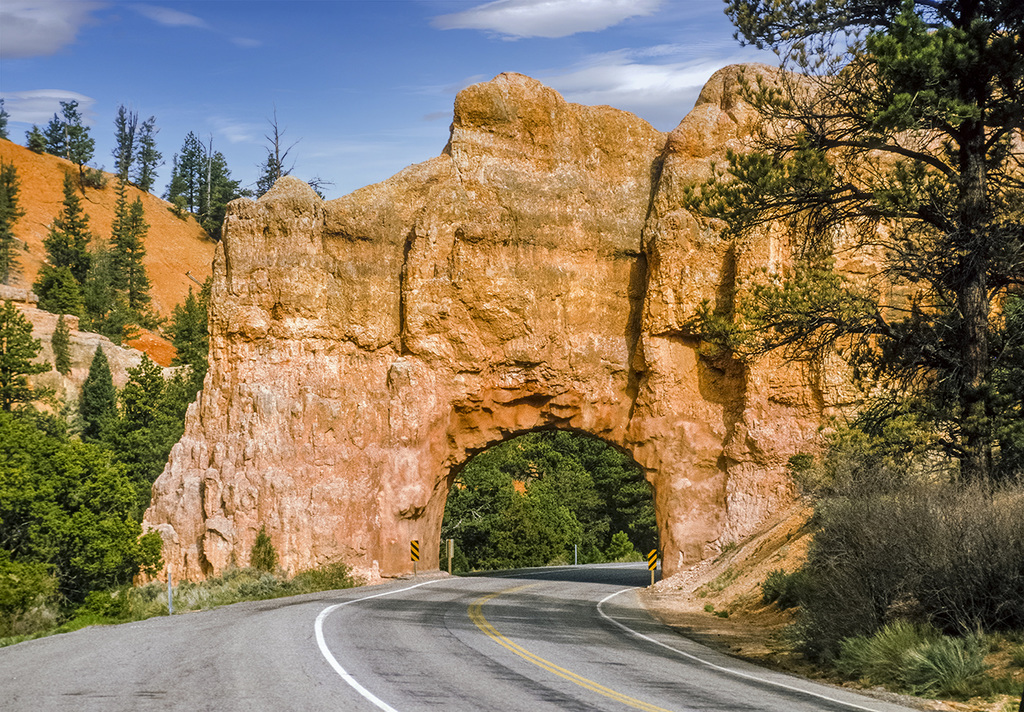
<point>171,18</point>
<point>39,105</point>
<point>662,93</point>
<point>235,131</point>
<point>245,42</point>
<point>545,18</point>
<point>34,28</point>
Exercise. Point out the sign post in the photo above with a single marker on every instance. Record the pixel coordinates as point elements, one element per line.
<point>170,593</point>
<point>652,563</point>
<point>451,553</point>
<point>414,553</point>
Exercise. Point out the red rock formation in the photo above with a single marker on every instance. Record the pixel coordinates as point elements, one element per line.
<point>538,273</point>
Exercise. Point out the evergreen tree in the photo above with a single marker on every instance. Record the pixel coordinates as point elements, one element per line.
<point>151,421</point>
<point>17,349</point>
<point>148,157</point>
<point>64,504</point>
<point>35,140</point>
<point>187,174</point>
<point>68,137</point>
<point>58,291</point>
<point>97,404</point>
<point>127,250</point>
<point>56,134</point>
<point>262,555</point>
<point>217,190</point>
<point>4,116</point>
<point>899,137</point>
<point>61,343</point>
<point>106,308</point>
<point>189,334</point>
<point>67,244</point>
<point>176,188</point>
<point>125,126</point>
<point>10,213</point>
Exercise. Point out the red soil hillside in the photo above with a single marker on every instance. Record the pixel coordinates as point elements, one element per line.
<point>173,246</point>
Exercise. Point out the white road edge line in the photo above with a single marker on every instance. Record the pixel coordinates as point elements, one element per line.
<point>318,626</point>
<point>726,670</point>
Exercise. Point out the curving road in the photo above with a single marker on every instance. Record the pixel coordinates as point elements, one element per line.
<point>568,638</point>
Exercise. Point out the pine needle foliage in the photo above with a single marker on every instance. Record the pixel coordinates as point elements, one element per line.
<point>894,135</point>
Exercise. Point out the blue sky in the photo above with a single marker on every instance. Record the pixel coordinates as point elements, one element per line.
<point>365,87</point>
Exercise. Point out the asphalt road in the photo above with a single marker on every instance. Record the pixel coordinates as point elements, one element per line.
<point>569,638</point>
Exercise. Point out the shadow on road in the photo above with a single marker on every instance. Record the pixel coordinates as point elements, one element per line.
<point>626,575</point>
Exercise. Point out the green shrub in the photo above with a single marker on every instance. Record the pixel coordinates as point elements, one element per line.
<point>784,589</point>
<point>263,556</point>
<point>28,597</point>
<point>1017,656</point>
<point>949,554</point>
<point>326,578</point>
<point>93,178</point>
<point>880,658</point>
<point>945,667</point>
<point>621,549</point>
<point>916,659</point>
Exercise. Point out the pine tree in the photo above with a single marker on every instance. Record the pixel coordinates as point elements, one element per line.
<point>58,291</point>
<point>148,158</point>
<point>68,137</point>
<point>10,213</point>
<point>125,126</point>
<point>61,343</point>
<point>106,308</point>
<point>127,250</point>
<point>97,404</point>
<point>189,334</point>
<point>4,116</point>
<point>188,172</point>
<point>56,135</point>
<point>17,350</point>
<point>898,136</point>
<point>216,191</point>
<point>67,244</point>
<point>35,140</point>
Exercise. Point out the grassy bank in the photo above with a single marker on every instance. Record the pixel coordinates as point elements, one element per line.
<point>138,603</point>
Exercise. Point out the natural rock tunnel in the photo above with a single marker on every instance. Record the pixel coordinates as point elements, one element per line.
<point>537,273</point>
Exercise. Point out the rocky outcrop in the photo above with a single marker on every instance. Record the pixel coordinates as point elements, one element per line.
<point>538,273</point>
<point>81,349</point>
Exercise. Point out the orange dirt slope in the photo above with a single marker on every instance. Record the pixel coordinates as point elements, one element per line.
<point>173,246</point>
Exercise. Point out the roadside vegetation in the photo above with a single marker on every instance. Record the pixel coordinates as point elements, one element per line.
<point>529,501</point>
<point>134,603</point>
<point>893,139</point>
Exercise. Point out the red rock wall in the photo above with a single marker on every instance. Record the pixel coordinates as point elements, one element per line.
<point>538,273</point>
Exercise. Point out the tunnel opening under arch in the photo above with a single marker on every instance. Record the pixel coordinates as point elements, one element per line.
<point>547,496</point>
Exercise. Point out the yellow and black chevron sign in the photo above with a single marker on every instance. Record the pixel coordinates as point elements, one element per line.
<point>652,560</point>
<point>414,549</point>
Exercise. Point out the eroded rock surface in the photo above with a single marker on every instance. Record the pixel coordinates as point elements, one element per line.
<point>538,273</point>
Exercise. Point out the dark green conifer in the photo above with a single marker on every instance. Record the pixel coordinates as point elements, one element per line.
<point>61,342</point>
<point>67,244</point>
<point>10,213</point>
<point>98,402</point>
<point>58,291</point>
<point>17,351</point>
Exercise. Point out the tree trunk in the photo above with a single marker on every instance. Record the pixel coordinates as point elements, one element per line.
<point>972,292</point>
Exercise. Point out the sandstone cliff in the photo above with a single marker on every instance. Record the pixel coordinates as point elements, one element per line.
<point>537,273</point>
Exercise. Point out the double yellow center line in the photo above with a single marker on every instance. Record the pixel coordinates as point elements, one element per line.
<point>476,615</point>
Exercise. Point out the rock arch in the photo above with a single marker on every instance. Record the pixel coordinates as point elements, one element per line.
<point>537,273</point>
